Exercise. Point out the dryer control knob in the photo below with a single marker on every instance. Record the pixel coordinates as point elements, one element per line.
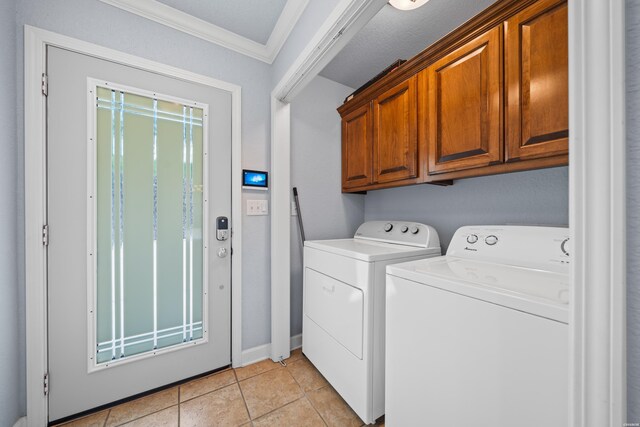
<point>491,240</point>
<point>472,238</point>
<point>565,246</point>
<point>388,227</point>
<point>404,229</point>
<point>414,229</point>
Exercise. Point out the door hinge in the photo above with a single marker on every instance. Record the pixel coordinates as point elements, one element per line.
<point>45,235</point>
<point>45,383</point>
<point>45,85</point>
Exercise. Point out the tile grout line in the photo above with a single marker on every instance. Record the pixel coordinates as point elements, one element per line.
<point>106,418</point>
<point>314,406</point>
<point>145,415</point>
<point>279,407</point>
<point>304,392</point>
<point>259,373</point>
<point>243,398</point>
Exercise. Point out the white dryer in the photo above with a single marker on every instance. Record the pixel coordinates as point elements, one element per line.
<point>344,306</point>
<point>480,336</point>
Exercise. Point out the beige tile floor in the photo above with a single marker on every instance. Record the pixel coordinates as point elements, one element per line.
<point>258,395</point>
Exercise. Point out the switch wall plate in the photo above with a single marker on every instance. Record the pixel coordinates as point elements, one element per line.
<point>257,207</point>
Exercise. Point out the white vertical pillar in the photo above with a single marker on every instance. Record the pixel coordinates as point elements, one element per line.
<point>280,229</point>
<point>597,212</point>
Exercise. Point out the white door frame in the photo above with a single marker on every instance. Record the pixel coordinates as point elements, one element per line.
<point>597,212</point>
<point>35,43</point>
<point>596,197</point>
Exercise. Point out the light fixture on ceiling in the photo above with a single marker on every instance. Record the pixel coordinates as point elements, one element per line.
<point>407,4</point>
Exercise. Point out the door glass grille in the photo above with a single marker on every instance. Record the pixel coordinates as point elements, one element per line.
<point>149,211</point>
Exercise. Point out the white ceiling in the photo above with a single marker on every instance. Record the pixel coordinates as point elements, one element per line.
<point>394,34</point>
<point>256,28</point>
<point>253,19</point>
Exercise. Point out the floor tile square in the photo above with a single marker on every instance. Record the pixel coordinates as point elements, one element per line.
<point>144,406</point>
<point>224,407</point>
<point>206,384</point>
<point>299,413</point>
<point>256,369</point>
<point>93,420</point>
<point>269,391</point>
<point>333,409</point>
<point>306,375</point>
<point>295,355</point>
<point>165,418</point>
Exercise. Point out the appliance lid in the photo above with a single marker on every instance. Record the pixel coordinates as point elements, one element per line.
<point>370,250</point>
<point>539,292</point>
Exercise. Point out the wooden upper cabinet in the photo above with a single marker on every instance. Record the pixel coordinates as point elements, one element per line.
<point>395,137</point>
<point>357,140</point>
<point>491,97</point>
<point>537,81</point>
<point>464,106</point>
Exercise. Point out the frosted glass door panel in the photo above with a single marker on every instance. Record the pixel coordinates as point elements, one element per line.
<point>149,224</point>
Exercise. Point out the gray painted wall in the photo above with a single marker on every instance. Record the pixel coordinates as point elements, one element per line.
<point>12,398</point>
<point>633,209</point>
<point>316,172</point>
<point>534,197</point>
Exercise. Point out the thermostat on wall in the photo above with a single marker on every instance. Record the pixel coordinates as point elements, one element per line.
<point>255,180</point>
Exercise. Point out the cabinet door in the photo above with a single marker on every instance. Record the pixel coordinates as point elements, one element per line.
<point>395,137</point>
<point>537,76</point>
<point>464,108</point>
<point>356,148</point>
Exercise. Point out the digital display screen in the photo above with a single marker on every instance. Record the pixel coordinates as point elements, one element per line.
<point>255,179</point>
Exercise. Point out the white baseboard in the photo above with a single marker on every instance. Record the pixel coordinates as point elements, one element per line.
<point>22,422</point>
<point>262,352</point>
<point>296,341</point>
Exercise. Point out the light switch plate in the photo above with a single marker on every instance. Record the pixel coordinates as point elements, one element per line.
<point>257,207</point>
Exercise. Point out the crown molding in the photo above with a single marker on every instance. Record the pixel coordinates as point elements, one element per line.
<point>181,21</point>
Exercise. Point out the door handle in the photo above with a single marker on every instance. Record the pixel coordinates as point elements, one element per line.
<point>222,252</point>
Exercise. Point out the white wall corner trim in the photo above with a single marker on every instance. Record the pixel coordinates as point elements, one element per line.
<point>36,42</point>
<point>597,213</point>
<point>181,21</point>
<point>343,23</point>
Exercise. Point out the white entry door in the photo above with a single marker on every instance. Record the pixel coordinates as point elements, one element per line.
<point>139,179</point>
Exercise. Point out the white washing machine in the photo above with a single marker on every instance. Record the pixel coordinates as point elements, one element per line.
<point>344,313</point>
<point>480,336</point>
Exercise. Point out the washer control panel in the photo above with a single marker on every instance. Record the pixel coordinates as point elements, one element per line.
<point>400,232</point>
<point>546,248</point>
